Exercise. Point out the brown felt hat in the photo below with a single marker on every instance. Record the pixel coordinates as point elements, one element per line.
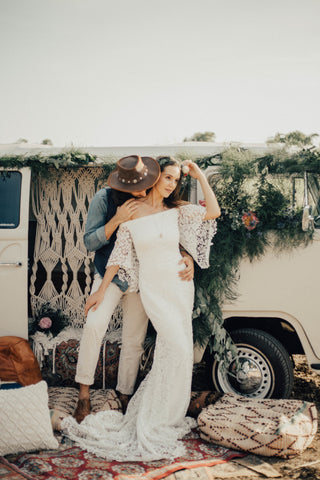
<point>134,174</point>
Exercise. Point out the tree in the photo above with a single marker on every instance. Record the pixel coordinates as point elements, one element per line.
<point>201,137</point>
<point>293,138</point>
<point>46,141</point>
<point>22,140</point>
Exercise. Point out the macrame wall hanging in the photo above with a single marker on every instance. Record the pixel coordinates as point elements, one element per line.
<point>62,267</point>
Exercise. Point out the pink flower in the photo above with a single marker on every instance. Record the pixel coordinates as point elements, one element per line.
<point>185,170</point>
<point>202,203</point>
<point>45,323</point>
<point>250,220</point>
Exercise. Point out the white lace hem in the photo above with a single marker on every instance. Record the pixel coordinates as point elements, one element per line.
<point>108,435</point>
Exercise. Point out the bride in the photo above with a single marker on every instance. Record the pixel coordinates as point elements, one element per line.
<point>147,256</point>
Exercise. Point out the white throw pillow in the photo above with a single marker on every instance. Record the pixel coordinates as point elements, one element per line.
<point>25,423</point>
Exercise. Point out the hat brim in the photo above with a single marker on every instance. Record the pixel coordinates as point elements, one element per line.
<point>148,181</point>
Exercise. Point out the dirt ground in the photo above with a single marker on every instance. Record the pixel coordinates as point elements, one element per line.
<point>307,465</point>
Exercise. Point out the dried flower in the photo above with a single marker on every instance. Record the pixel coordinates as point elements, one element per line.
<point>45,323</point>
<point>48,320</point>
<point>250,220</point>
<point>185,169</point>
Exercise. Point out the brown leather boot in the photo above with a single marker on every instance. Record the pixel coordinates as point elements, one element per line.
<point>200,400</point>
<point>82,410</point>
<point>124,400</point>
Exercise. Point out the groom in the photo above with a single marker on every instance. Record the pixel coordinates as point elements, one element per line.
<point>110,207</point>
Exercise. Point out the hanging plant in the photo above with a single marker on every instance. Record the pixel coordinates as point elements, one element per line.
<point>251,207</point>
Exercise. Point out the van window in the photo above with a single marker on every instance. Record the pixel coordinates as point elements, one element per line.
<point>314,198</point>
<point>10,191</point>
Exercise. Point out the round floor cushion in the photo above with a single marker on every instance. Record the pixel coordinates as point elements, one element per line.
<point>281,428</point>
<point>63,401</point>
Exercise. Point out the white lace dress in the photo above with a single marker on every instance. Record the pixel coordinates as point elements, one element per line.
<point>155,419</point>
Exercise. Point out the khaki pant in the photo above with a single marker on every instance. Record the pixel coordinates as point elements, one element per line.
<point>135,322</point>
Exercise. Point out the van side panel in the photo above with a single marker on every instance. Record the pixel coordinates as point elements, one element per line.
<point>286,284</point>
<point>14,254</point>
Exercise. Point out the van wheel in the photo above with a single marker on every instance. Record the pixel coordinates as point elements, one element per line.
<point>266,370</point>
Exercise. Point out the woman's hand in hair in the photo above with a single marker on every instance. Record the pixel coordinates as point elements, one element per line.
<point>194,170</point>
<point>212,205</point>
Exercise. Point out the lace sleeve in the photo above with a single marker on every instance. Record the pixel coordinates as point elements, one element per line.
<point>124,255</point>
<point>196,233</point>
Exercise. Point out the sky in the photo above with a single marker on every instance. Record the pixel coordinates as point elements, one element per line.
<point>146,72</point>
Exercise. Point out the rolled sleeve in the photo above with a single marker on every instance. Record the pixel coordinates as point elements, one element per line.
<point>95,240</point>
<point>95,237</point>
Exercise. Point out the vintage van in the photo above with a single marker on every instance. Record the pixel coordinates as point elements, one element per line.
<point>275,315</point>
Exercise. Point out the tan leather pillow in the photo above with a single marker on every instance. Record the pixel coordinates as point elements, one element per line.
<point>17,361</point>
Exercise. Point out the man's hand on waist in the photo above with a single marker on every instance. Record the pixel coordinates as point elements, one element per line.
<point>187,273</point>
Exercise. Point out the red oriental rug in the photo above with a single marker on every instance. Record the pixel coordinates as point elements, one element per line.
<point>72,463</point>
<point>8,471</point>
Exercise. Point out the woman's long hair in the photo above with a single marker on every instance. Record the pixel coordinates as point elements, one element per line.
<point>174,199</point>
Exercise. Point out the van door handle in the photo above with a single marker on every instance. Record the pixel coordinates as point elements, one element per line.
<point>13,264</point>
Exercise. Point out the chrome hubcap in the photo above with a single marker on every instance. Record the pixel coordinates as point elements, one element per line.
<point>255,377</point>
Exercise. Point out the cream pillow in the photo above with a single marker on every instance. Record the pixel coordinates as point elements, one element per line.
<point>25,423</point>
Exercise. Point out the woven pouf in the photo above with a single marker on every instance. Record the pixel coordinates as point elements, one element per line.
<point>280,428</point>
<point>63,402</point>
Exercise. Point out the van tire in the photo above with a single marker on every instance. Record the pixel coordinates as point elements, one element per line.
<point>269,362</point>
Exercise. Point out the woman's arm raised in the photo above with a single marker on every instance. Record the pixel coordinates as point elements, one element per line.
<point>212,205</point>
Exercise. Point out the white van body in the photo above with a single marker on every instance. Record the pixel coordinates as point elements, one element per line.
<point>14,256</point>
<point>277,301</point>
<point>290,292</point>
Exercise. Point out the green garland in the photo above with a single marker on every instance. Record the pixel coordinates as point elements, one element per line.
<point>252,206</point>
<point>44,166</point>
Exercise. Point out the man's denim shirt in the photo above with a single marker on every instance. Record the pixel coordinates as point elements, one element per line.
<point>102,208</point>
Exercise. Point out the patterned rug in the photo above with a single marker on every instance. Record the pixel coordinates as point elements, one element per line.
<point>9,471</point>
<point>72,463</point>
